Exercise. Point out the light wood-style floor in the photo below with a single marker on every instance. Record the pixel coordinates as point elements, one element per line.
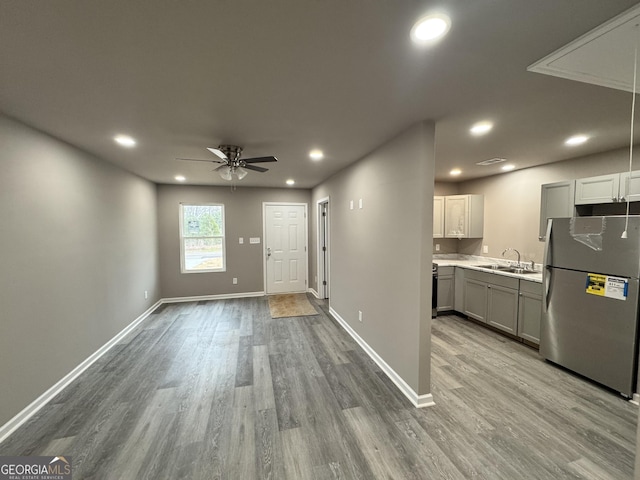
<point>218,389</point>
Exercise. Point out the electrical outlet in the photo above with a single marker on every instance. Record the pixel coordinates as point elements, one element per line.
<point>485,249</point>
<point>146,294</point>
<point>437,247</point>
<point>359,315</point>
<point>235,281</point>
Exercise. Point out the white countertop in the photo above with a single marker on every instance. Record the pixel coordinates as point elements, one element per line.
<point>473,262</point>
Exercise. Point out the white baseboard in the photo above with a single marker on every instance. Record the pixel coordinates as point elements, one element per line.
<point>635,399</point>
<point>223,296</point>
<point>419,401</point>
<point>24,415</point>
<point>313,292</point>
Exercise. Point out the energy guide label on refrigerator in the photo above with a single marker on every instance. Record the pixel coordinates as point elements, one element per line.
<point>607,286</point>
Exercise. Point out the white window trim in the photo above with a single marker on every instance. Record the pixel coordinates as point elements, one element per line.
<point>223,236</point>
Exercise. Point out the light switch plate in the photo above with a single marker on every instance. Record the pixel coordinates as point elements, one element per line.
<point>350,204</point>
<point>241,240</point>
<point>254,240</point>
<point>360,203</point>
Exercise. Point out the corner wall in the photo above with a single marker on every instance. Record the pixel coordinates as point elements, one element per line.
<point>380,255</point>
<point>78,250</point>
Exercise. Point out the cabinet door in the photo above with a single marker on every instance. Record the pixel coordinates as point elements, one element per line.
<point>601,189</point>
<point>529,313</point>
<point>475,299</point>
<point>456,216</point>
<point>458,294</point>
<point>445,293</point>
<point>630,186</point>
<point>438,217</point>
<point>556,201</point>
<point>502,309</point>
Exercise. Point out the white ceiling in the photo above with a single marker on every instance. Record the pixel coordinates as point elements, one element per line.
<point>280,77</point>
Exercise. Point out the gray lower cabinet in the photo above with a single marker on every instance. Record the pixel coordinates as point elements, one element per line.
<point>475,299</point>
<point>446,289</point>
<point>492,299</point>
<point>530,311</point>
<point>503,308</point>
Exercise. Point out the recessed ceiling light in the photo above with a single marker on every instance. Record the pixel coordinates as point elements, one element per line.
<point>291,181</point>
<point>508,168</point>
<point>180,178</point>
<point>455,171</point>
<point>576,140</point>
<point>125,141</point>
<point>430,28</point>
<point>481,128</point>
<point>316,154</point>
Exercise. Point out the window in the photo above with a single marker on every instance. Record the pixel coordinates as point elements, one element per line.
<point>202,238</point>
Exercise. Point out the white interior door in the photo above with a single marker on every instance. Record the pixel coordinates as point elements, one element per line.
<point>285,248</point>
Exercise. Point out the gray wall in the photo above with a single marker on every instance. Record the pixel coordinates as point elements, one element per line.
<point>512,202</point>
<point>77,251</point>
<point>243,218</point>
<point>381,254</point>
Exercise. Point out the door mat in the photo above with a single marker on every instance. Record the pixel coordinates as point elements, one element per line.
<point>290,305</point>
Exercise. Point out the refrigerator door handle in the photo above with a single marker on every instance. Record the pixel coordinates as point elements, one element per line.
<point>546,268</point>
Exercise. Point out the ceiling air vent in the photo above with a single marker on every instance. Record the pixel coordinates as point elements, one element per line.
<point>492,161</point>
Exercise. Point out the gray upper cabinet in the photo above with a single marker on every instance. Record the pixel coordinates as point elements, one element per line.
<point>630,186</point>
<point>616,187</point>
<point>596,190</point>
<point>463,216</point>
<point>438,217</point>
<point>556,201</point>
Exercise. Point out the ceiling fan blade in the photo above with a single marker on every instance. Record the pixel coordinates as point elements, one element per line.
<point>217,153</point>
<point>255,169</point>
<point>200,160</point>
<point>259,159</point>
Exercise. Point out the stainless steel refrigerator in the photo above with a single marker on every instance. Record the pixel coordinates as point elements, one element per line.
<point>590,298</point>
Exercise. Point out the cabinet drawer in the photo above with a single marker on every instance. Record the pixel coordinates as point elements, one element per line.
<point>444,271</point>
<point>493,279</point>
<point>534,288</point>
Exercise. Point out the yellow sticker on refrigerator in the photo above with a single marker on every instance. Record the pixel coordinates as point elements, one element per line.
<point>607,286</point>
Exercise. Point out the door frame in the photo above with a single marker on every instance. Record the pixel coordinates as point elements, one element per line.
<point>323,258</point>
<point>264,240</point>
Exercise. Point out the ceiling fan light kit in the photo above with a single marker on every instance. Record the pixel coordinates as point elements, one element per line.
<point>229,157</point>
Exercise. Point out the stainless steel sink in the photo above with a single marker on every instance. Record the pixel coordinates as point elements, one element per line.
<point>507,268</point>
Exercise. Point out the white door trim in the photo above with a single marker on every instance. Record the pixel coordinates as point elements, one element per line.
<point>264,238</point>
<point>323,292</point>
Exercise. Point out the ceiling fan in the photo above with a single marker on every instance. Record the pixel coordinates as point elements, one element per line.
<point>229,157</point>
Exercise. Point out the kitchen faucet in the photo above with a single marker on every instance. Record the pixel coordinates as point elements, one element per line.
<point>514,250</point>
